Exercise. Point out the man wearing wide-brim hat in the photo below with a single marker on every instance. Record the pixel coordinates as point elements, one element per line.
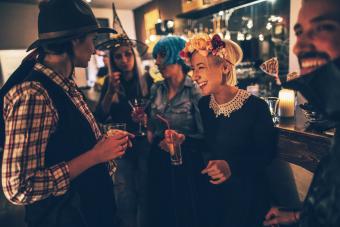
<point>55,159</point>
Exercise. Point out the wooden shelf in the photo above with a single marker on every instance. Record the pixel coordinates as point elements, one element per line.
<point>211,9</point>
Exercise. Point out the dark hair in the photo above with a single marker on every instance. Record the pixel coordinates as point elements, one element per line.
<point>59,47</point>
<point>113,65</point>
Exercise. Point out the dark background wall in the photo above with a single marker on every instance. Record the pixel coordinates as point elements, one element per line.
<point>14,18</point>
<point>168,10</point>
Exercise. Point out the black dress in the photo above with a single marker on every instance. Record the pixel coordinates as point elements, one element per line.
<point>247,141</point>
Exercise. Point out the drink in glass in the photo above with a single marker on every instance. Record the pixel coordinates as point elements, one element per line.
<point>138,106</point>
<point>175,152</point>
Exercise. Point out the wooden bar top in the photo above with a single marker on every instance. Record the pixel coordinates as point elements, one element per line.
<point>301,147</point>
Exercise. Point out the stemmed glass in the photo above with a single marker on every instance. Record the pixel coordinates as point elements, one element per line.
<point>138,107</point>
<point>273,103</point>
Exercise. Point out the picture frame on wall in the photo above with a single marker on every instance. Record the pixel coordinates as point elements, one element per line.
<point>150,19</point>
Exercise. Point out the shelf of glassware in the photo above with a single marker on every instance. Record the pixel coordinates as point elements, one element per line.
<point>208,9</point>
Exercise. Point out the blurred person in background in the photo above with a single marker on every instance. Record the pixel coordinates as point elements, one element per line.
<point>318,43</point>
<point>102,73</point>
<point>126,84</point>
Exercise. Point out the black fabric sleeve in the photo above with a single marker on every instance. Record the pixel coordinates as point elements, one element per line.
<point>203,104</point>
<point>263,148</point>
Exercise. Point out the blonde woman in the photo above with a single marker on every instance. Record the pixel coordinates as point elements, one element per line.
<point>239,133</point>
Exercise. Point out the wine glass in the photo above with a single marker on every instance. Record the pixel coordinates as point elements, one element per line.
<point>273,103</point>
<point>138,106</point>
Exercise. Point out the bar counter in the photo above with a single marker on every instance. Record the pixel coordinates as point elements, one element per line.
<point>301,147</point>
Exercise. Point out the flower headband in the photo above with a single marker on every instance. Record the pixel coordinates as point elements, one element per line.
<point>203,44</point>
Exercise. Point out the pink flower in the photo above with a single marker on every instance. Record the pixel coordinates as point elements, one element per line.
<point>183,54</point>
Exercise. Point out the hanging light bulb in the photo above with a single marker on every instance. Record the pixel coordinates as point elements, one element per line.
<point>261,37</point>
<point>250,23</point>
<point>269,26</point>
<point>275,19</point>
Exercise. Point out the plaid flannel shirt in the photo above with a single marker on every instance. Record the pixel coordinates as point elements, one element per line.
<point>30,119</point>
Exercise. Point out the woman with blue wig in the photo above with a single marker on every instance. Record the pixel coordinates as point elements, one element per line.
<point>177,192</point>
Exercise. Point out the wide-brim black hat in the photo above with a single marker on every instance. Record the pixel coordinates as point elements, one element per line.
<point>122,40</point>
<point>62,20</point>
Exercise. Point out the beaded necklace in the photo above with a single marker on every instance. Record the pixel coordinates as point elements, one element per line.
<point>226,109</point>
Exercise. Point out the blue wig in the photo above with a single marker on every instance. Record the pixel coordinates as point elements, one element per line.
<point>171,46</point>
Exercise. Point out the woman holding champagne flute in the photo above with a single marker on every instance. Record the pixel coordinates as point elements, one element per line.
<point>121,98</point>
<point>176,185</point>
<point>239,134</point>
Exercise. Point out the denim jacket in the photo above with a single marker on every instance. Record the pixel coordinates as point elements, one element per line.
<point>181,111</point>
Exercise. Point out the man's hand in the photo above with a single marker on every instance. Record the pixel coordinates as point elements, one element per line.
<point>275,216</point>
<point>112,146</point>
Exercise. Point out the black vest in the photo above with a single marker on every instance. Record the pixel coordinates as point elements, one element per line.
<point>90,200</point>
